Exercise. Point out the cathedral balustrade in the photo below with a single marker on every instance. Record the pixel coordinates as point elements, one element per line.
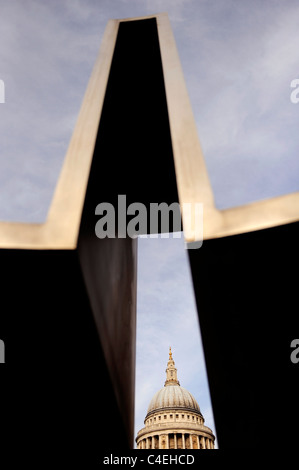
<point>149,430</point>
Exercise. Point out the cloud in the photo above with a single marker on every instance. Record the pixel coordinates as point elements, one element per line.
<point>238,60</point>
<point>238,66</point>
<point>46,60</point>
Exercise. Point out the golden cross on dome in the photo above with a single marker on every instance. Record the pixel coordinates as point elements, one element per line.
<point>170,354</point>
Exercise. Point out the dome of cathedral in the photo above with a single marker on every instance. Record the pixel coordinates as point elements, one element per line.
<point>172,395</point>
<point>175,397</point>
<point>173,419</point>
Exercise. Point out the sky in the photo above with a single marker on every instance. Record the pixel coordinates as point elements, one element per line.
<point>167,317</point>
<point>239,59</point>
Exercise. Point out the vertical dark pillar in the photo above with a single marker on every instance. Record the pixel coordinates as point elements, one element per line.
<point>247,294</point>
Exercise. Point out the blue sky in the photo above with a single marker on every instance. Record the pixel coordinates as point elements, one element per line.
<point>238,58</point>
